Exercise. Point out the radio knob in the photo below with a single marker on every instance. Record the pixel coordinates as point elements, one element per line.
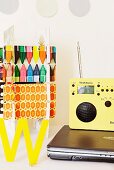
<point>86,112</point>
<point>107,103</point>
<point>73,93</point>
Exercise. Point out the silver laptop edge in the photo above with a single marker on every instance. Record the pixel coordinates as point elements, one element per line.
<point>76,154</point>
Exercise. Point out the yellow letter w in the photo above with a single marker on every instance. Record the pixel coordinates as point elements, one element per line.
<point>22,126</point>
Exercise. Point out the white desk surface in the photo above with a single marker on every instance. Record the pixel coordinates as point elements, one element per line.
<point>45,163</point>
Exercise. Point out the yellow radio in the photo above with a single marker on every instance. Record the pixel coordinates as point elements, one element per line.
<point>91,104</point>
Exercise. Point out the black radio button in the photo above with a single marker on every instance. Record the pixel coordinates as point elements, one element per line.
<point>98,94</point>
<point>102,90</point>
<point>73,85</point>
<point>73,93</point>
<point>111,90</point>
<point>107,103</point>
<point>98,85</point>
<point>107,90</point>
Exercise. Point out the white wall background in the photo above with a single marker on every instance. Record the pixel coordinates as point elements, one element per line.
<point>95,31</point>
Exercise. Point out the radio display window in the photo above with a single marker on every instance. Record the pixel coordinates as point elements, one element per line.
<point>85,90</point>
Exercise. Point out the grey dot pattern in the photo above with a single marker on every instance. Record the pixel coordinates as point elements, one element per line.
<point>79,8</point>
<point>9,6</point>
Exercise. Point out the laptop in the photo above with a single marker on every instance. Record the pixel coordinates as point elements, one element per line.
<point>82,145</point>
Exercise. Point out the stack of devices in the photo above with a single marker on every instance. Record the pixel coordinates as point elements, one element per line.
<point>90,134</point>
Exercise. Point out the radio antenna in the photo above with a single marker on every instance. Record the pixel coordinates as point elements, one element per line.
<point>79,60</point>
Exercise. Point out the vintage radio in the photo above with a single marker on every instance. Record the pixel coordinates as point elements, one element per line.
<point>91,103</point>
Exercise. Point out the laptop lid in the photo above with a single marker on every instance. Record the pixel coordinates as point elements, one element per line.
<point>82,141</point>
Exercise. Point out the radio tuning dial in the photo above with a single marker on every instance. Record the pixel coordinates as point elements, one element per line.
<point>86,112</point>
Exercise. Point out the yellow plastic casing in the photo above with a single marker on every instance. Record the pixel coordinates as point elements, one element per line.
<point>103,92</point>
